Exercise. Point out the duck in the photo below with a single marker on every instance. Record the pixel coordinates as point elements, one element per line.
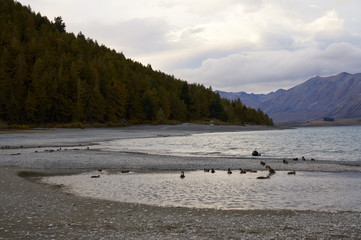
<point>229,171</point>
<point>95,176</point>
<point>264,177</point>
<point>213,171</point>
<point>182,175</point>
<point>303,158</point>
<point>270,170</point>
<point>262,163</point>
<point>292,172</point>
<point>205,169</point>
<point>285,161</point>
<point>125,171</point>
<point>242,171</point>
<point>295,159</point>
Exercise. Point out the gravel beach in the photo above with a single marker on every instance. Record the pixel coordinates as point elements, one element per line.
<point>31,209</point>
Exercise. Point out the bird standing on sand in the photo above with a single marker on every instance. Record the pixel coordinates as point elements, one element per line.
<point>229,171</point>
<point>292,172</point>
<point>262,163</point>
<point>270,170</point>
<point>182,175</point>
<point>213,171</point>
<point>262,177</point>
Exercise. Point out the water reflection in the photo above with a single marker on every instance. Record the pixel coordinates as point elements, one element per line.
<point>303,191</point>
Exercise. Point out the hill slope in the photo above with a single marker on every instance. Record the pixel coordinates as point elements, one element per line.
<point>50,76</point>
<point>336,96</point>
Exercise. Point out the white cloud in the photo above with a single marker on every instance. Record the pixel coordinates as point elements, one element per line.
<point>250,45</point>
<point>257,71</point>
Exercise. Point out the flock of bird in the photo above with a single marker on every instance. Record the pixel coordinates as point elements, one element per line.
<point>270,170</point>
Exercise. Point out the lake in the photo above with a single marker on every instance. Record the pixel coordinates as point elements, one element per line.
<point>306,190</point>
<point>321,143</point>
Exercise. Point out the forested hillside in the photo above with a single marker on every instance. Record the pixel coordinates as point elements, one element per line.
<point>50,76</point>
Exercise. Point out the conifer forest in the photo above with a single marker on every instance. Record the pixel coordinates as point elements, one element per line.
<point>48,75</point>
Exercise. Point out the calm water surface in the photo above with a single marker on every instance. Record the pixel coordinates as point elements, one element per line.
<point>323,143</point>
<point>322,191</point>
<point>303,191</point>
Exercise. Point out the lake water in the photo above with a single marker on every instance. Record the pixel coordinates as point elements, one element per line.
<point>321,191</point>
<point>323,143</point>
<point>304,191</point>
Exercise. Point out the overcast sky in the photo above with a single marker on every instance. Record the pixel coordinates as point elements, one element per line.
<point>257,46</point>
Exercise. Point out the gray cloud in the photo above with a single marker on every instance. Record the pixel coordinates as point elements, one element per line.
<point>267,71</point>
<point>135,36</point>
<point>233,45</point>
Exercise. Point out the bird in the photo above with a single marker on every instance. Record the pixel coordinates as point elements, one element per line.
<point>270,170</point>
<point>125,171</point>
<point>95,176</point>
<point>292,172</point>
<point>242,171</point>
<point>213,171</point>
<point>312,159</point>
<point>262,163</point>
<point>264,177</point>
<point>182,175</point>
<point>303,158</point>
<point>295,159</point>
<point>206,170</point>
<point>285,161</point>
<point>229,171</point>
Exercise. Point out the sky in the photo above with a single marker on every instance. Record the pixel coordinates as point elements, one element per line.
<point>256,46</point>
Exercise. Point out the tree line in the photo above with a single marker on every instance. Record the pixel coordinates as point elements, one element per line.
<point>50,76</point>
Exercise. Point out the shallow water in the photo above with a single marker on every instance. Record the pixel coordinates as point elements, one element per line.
<point>323,143</point>
<point>303,191</point>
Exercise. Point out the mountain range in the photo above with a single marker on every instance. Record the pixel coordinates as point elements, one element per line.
<point>335,97</point>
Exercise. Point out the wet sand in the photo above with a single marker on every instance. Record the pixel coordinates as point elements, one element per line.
<point>34,210</point>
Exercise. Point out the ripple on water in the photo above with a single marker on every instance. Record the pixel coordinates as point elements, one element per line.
<point>303,191</point>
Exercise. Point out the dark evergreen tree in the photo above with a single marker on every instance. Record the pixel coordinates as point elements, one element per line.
<point>60,25</point>
<point>50,76</point>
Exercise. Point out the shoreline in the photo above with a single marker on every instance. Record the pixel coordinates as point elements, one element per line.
<point>86,136</point>
<point>52,213</point>
<point>34,210</point>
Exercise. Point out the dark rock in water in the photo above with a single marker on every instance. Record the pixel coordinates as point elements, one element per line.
<point>255,153</point>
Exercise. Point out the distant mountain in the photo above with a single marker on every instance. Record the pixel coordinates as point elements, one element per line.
<point>336,96</point>
<point>250,100</point>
